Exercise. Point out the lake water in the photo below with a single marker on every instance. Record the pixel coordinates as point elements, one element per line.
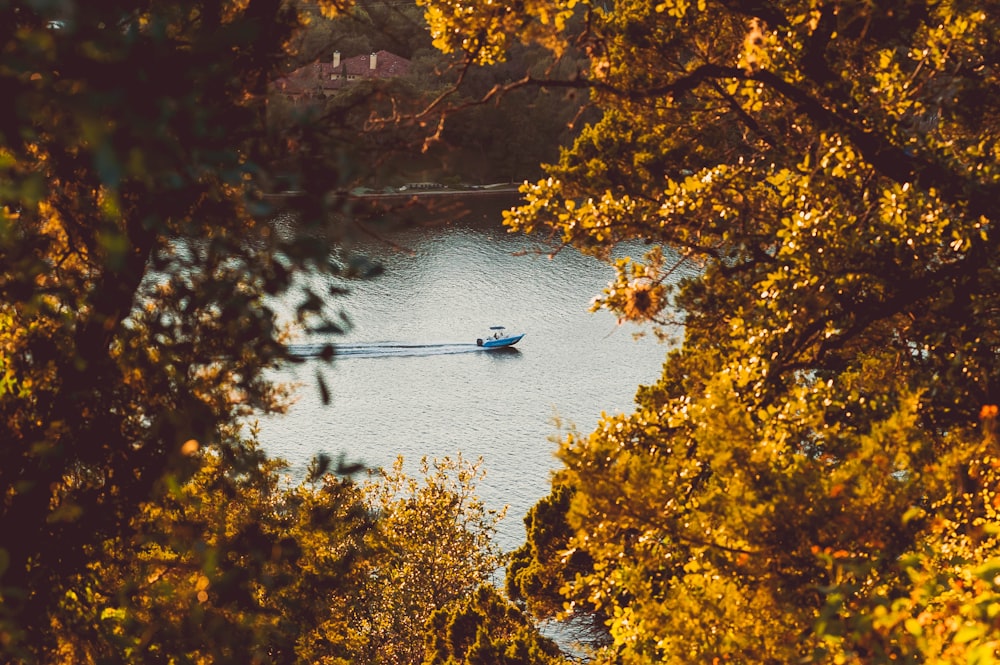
<point>412,382</point>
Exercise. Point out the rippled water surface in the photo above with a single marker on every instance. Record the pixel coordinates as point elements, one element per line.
<point>409,379</point>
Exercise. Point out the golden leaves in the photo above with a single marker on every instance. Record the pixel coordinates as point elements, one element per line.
<point>988,415</point>
<point>484,29</point>
<point>643,300</point>
<point>457,25</point>
<point>754,54</point>
<point>638,293</point>
<point>331,8</point>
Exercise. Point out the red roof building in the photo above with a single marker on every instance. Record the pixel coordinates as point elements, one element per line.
<point>324,78</point>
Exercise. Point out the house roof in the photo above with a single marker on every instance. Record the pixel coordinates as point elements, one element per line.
<point>324,76</point>
<point>387,65</point>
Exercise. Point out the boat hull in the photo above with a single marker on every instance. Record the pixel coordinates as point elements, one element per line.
<point>499,343</point>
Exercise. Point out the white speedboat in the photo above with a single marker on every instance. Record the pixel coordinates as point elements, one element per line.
<point>498,337</point>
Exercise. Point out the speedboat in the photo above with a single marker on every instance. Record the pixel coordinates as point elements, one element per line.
<point>498,337</point>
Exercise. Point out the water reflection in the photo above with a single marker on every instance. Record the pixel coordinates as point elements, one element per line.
<point>505,352</point>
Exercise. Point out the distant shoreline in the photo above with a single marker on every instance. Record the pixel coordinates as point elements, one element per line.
<point>466,190</point>
<point>411,191</point>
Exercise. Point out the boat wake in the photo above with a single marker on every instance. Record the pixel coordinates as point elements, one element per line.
<point>380,349</point>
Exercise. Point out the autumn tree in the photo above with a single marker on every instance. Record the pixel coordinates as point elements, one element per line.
<point>812,477</point>
<point>486,629</point>
<point>136,252</point>
<point>433,546</point>
<point>332,569</point>
<point>235,564</point>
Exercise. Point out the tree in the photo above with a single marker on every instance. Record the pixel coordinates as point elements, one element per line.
<point>780,493</point>
<point>364,27</point>
<point>508,137</point>
<point>484,629</point>
<point>232,565</point>
<point>433,548</point>
<point>237,564</point>
<point>135,256</point>
<point>541,567</point>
